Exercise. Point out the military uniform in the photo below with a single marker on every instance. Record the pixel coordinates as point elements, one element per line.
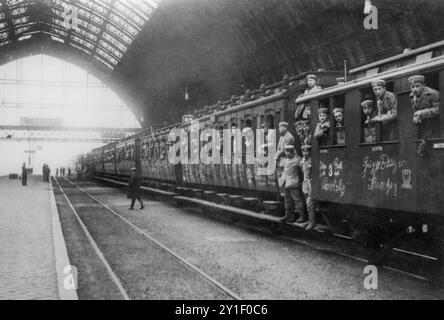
<point>387,112</point>
<point>285,140</point>
<point>369,129</point>
<point>315,88</point>
<point>306,188</point>
<point>427,106</point>
<point>302,111</point>
<point>322,128</point>
<point>339,127</point>
<point>291,182</point>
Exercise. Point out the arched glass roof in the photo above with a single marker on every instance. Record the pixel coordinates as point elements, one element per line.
<point>102,29</point>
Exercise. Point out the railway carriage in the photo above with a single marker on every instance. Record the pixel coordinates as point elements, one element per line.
<point>97,160</point>
<point>126,156</point>
<point>367,185</point>
<point>383,186</point>
<point>272,105</point>
<point>109,159</point>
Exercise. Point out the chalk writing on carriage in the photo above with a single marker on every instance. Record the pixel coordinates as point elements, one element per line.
<point>330,175</point>
<point>386,175</point>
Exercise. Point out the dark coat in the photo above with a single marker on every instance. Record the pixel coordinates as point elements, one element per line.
<point>133,187</point>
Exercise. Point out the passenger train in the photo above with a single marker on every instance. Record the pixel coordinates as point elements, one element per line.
<point>381,190</point>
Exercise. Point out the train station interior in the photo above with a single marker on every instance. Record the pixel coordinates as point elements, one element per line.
<point>94,95</point>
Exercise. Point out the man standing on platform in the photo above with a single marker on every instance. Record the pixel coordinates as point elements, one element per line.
<point>291,182</point>
<point>285,139</point>
<point>24,175</point>
<point>134,189</point>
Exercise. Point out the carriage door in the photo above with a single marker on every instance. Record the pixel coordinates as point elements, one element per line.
<point>424,151</point>
<point>430,152</point>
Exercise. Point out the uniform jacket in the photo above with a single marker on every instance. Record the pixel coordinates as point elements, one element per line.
<point>322,129</point>
<point>292,174</point>
<point>313,90</point>
<point>427,103</point>
<point>285,140</point>
<point>306,169</point>
<point>387,108</point>
<point>133,187</point>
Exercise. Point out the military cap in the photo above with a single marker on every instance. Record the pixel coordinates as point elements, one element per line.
<point>283,123</point>
<point>416,78</point>
<point>133,169</point>
<point>306,147</point>
<point>378,82</point>
<point>289,147</point>
<point>323,110</point>
<point>336,110</point>
<point>264,125</point>
<point>367,102</point>
<point>312,76</point>
<point>340,79</point>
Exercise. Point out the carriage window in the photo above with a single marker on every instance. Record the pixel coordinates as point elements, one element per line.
<point>338,119</point>
<point>270,121</point>
<point>368,111</point>
<point>379,113</point>
<point>322,131</point>
<point>425,103</point>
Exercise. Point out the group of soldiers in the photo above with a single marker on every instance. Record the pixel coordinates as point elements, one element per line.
<point>424,101</point>
<point>379,110</point>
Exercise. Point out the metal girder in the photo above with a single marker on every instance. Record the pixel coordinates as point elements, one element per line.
<point>64,134</point>
<point>104,31</point>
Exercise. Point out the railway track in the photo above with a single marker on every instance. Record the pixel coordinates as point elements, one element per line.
<point>62,185</point>
<point>412,264</point>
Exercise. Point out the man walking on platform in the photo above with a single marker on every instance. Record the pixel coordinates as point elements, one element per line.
<point>134,189</point>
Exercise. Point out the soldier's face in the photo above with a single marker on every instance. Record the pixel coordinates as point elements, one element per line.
<point>322,117</point>
<point>379,91</point>
<point>339,117</point>
<point>289,154</point>
<point>305,153</point>
<point>417,88</point>
<point>282,129</point>
<point>367,109</point>
<point>311,83</point>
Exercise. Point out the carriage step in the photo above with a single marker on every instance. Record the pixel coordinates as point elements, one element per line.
<point>273,208</point>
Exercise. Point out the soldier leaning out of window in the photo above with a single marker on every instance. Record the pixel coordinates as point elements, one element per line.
<point>338,114</point>
<point>323,126</point>
<point>387,109</point>
<point>369,110</point>
<point>425,103</point>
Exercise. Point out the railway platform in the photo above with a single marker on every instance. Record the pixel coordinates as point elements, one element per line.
<point>33,255</point>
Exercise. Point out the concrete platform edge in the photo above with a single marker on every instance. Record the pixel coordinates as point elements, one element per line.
<point>60,251</point>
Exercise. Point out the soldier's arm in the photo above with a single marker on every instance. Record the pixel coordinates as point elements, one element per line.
<point>392,113</point>
<point>430,112</point>
<point>279,154</point>
<point>318,131</point>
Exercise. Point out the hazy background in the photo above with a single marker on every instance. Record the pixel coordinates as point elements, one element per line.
<point>46,87</point>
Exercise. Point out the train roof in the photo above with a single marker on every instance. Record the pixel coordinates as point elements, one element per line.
<point>405,58</point>
<point>429,57</point>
